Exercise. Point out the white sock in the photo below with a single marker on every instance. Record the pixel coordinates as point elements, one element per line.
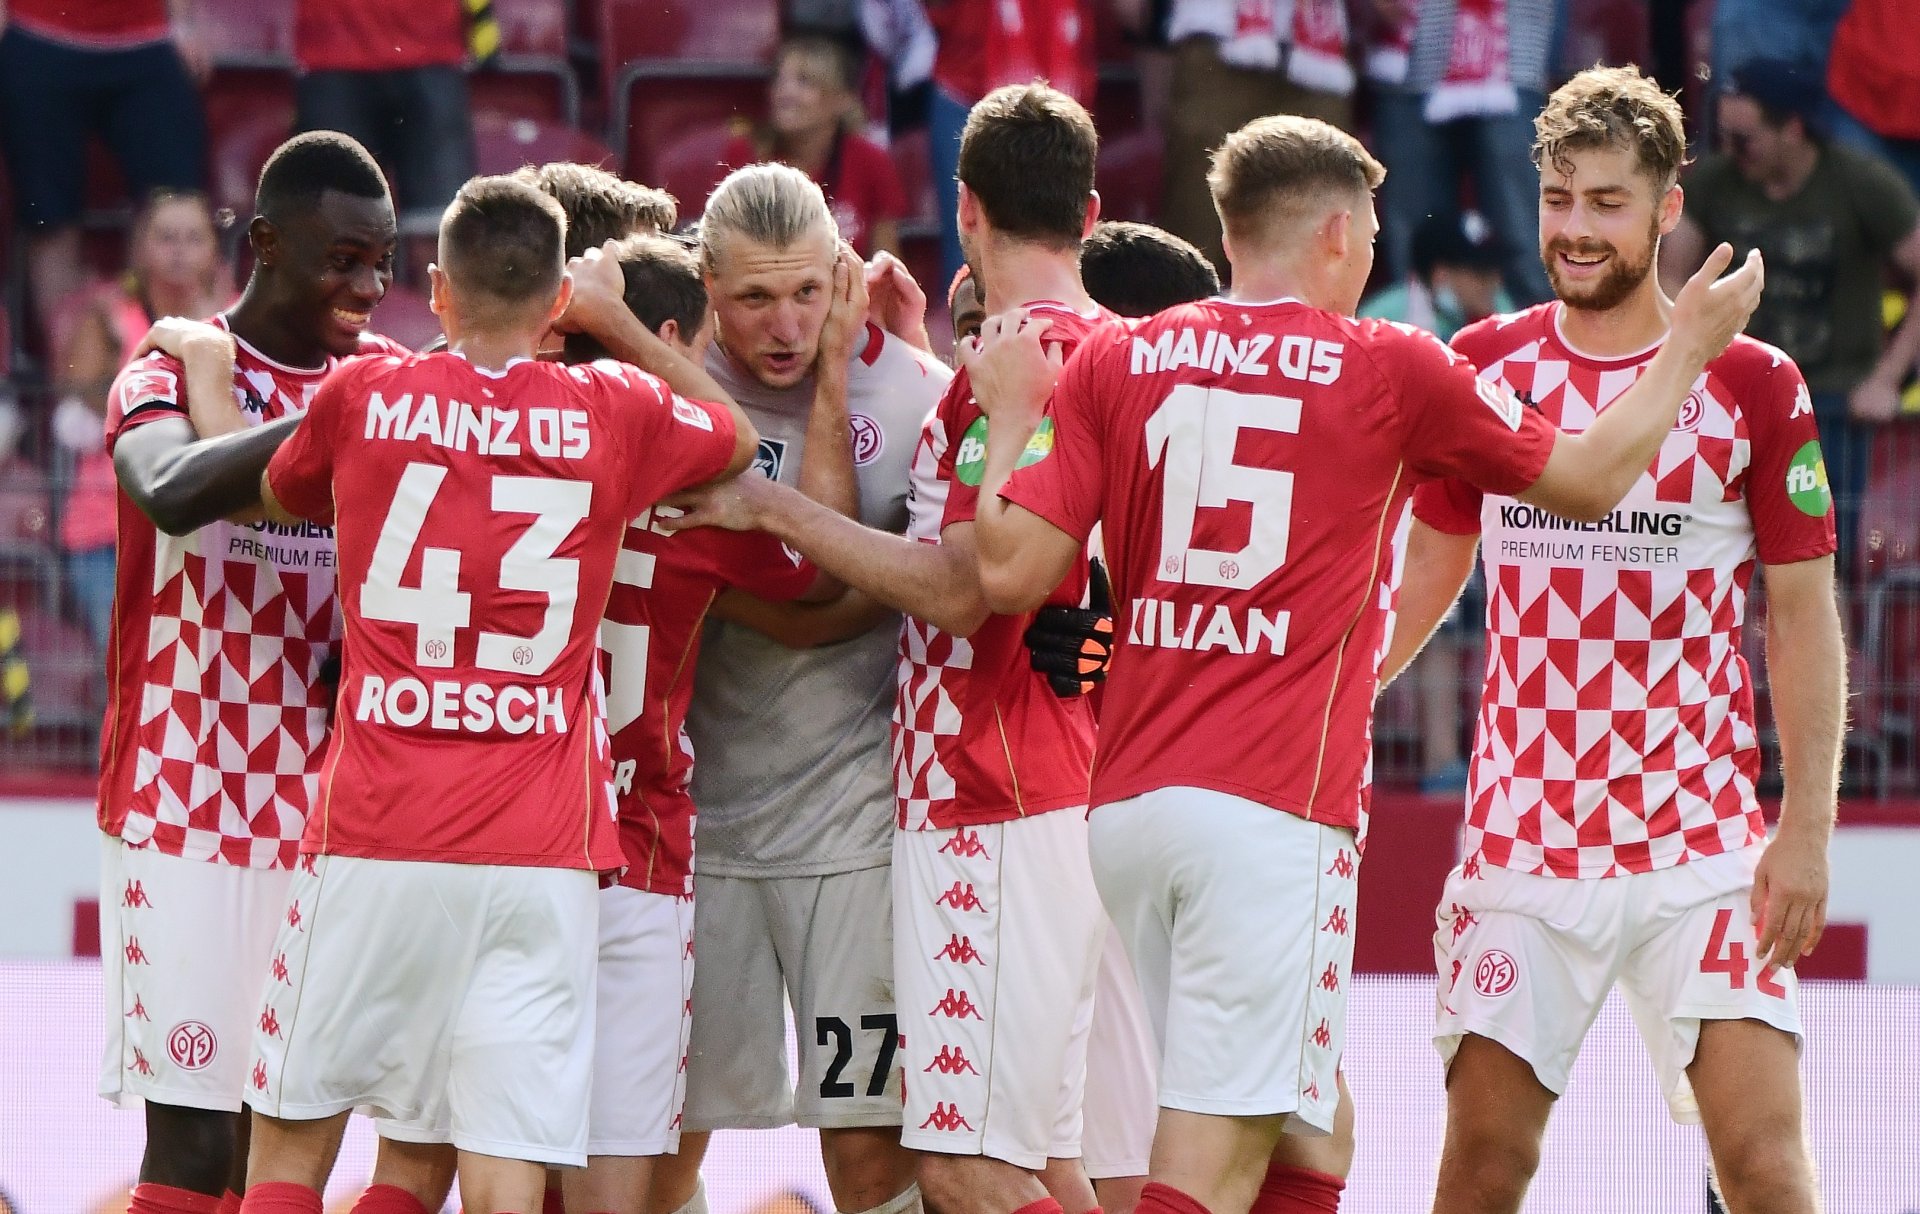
<point>908,1202</point>
<point>697,1204</point>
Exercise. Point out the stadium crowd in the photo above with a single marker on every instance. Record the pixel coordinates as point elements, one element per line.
<point>1028,636</point>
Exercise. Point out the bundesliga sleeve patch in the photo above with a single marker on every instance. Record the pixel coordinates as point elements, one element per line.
<point>1807,481</point>
<point>688,413</point>
<point>1504,404</point>
<point>145,385</point>
<point>970,459</point>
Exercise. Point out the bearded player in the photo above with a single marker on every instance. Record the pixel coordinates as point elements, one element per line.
<point>1613,834</point>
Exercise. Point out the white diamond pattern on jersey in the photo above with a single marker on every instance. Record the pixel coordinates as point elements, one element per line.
<point>1616,732</point>
<point>924,712</point>
<point>232,730</point>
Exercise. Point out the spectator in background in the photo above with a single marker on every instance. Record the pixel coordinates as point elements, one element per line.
<point>1476,75</point>
<point>983,46</point>
<point>813,124</point>
<point>393,76</point>
<point>1830,221</point>
<point>1234,61</point>
<point>1797,31</point>
<point>1874,77</point>
<point>1455,281</point>
<point>122,69</point>
<point>174,269</point>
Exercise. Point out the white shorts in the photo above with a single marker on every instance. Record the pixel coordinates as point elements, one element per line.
<point>1527,961</point>
<point>822,945</point>
<point>184,945</point>
<point>1238,919</point>
<point>1122,1071</point>
<point>997,933</point>
<point>455,1000</point>
<point>640,1036</point>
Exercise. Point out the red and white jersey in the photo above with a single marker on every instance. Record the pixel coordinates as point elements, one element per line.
<point>484,513</point>
<point>215,723</point>
<point>978,737</point>
<point>663,584</point>
<point>1616,729</point>
<point>1250,465</point>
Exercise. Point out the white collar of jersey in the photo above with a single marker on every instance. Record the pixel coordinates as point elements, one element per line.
<point>222,321</point>
<point>500,374</point>
<point>1560,334</point>
<point>1054,305</point>
<point>1260,303</point>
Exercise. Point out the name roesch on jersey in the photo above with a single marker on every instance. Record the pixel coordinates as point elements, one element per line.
<point>1249,465</point>
<point>1617,729</point>
<point>484,514</point>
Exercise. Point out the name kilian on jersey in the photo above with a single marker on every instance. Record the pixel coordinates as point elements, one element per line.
<point>482,429</point>
<point>460,707</point>
<point>1164,624</point>
<point>1291,356</point>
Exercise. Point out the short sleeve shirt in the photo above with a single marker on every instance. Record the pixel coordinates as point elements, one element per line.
<point>1250,466</point>
<point>1616,730</point>
<point>481,516</point>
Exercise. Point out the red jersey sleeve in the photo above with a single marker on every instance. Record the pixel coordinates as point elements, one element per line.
<point>1786,490</point>
<point>146,390</point>
<point>1448,505</point>
<point>1061,476</point>
<point>675,443</point>
<point>301,471</point>
<point>1453,422</point>
<point>762,566</point>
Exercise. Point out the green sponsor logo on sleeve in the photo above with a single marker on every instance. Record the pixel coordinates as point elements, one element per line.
<point>970,457</point>
<point>1807,481</point>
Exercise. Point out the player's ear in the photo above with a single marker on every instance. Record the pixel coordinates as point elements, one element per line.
<point>264,239</point>
<point>561,300</point>
<point>1672,204</point>
<point>1093,214</point>
<point>670,332</point>
<point>1337,233</point>
<point>437,300</point>
<point>969,216</point>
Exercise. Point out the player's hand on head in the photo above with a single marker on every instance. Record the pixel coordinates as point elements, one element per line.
<point>847,313</point>
<point>1012,368</point>
<point>895,301</point>
<point>1713,307</point>
<point>176,335</point>
<point>598,288</point>
<point>1789,901</point>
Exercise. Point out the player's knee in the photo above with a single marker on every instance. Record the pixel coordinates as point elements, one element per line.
<point>1492,1163</point>
<point>188,1148</point>
<point>1765,1170</point>
<point>865,1167</point>
<point>958,1183</point>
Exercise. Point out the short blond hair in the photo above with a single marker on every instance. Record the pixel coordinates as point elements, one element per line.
<point>770,204</point>
<point>1277,170</point>
<point>1612,107</point>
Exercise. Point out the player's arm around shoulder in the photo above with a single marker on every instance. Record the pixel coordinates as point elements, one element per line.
<point>1021,556</point>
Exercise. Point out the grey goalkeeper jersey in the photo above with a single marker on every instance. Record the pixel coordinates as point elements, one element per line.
<point>793,767</point>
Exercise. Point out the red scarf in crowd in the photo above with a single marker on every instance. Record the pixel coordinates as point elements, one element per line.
<point>1316,29</point>
<point>1479,78</point>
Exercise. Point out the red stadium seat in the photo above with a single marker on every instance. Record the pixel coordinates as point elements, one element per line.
<point>405,316</point>
<point>502,144</point>
<point>248,33</point>
<point>532,27</point>
<point>689,167</point>
<point>664,114</point>
<point>913,159</point>
<point>241,139</point>
<point>1128,177</point>
<point>532,75</point>
<point>1607,31</point>
<point>686,32</point>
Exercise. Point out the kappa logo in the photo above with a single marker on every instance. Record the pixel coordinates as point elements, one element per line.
<point>1323,1035</point>
<point>1336,921</point>
<point>140,1064</point>
<point>260,1076</point>
<point>951,1060</point>
<point>1330,978</point>
<point>280,969</point>
<point>961,898</point>
<point>1342,865</point>
<point>946,1118</point>
<point>139,1011</point>
<point>956,1005</point>
<point>1802,400</point>
<point>307,865</point>
<point>134,954</point>
<point>959,950</point>
<point>769,457</point>
<point>1495,974</point>
<point>293,916</point>
<point>192,1045</point>
<point>1471,869</point>
<point>136,896</point>
<point>965,844</point>
<point>1313,1090</point>
<point>1462,920</point>
<point>269,1022</point>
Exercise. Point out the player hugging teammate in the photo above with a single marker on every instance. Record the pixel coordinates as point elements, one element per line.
<point>674,497</point>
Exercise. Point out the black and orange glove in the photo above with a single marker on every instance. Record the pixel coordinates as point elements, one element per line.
<point>1073,646</point>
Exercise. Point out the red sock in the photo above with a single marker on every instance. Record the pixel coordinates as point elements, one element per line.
<point>388,1199</point>
<point>279,1197</point>
<point>164,1199</point>
<point>1046,1205</point>
<point>553,1203</point>
<point>1159,1198</point>
<point>1288,1190</point>
<point>230,1203</point>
